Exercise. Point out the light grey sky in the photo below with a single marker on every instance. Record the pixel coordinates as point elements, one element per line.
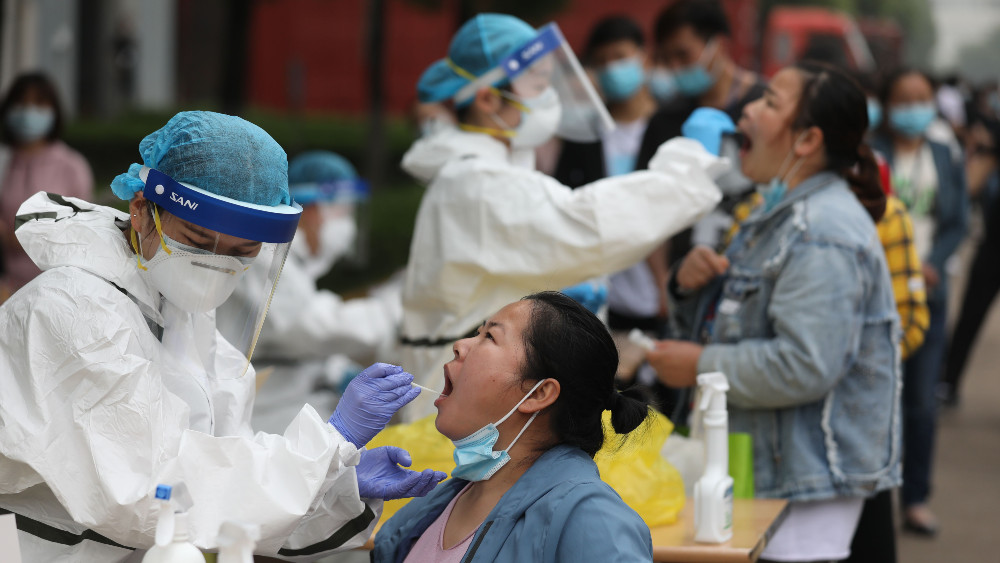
<point>960,23</point>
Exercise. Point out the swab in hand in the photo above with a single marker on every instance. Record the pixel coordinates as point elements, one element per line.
<point>640,339</point>
<point>428,389</point>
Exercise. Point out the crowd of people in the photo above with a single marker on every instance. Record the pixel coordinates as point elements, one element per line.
<point>797,233</point>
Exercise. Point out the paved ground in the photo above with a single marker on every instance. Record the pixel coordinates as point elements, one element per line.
<point>966,494</point>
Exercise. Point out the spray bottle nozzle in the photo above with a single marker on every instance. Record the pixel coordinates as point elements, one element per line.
<point>237,541</point>
<point>712,385</point>
<point>172,498</point>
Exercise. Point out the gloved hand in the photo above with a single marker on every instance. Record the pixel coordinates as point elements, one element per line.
<point>589,294</point>
<point>380,475</point>
<point>706,125</point>
<point>370,400</point>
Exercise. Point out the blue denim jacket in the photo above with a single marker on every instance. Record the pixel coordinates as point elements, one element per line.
<point>804,325</point>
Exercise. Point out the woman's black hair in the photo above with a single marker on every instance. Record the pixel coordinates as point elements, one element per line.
<point>706,18</point>
<point>18,90</point>
<point>566,342</point>
<point>610,30</point>
<point>834,102</point>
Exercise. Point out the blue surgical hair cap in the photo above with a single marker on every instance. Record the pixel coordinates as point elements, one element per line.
<point>218,153</point>
<point>479,46</point>
<point>319,166</point>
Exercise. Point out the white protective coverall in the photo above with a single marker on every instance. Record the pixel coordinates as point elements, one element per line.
<point>308,332</point>
<point>96,411</point>
<point>489,232</point>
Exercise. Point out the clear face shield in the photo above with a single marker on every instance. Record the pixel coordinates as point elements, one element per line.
<point>212,254</point>
<point>550,87</point>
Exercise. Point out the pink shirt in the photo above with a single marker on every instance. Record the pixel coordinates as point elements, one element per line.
<point>429,547</point>
<point>57,169</point>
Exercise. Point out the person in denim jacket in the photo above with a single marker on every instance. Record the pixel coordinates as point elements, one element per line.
<point>799,314</point>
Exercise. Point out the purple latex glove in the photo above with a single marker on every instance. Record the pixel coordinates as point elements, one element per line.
<point>380,475</point>
<point>370,401</point>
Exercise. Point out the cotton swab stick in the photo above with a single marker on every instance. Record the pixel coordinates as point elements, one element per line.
<point>430,390</point>
<point>640,339</point>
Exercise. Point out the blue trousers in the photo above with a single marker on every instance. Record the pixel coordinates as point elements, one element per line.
<point>921,374</point>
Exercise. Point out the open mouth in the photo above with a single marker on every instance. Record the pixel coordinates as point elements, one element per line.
<point>744,142</point>
<point>447,383</point>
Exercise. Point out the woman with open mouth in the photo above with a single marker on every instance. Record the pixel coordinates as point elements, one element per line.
<point>799,314</point>
<point>534,381</point>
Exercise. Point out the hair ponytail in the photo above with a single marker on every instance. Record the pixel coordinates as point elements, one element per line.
<point>629,409</point>
<point>864,180</point>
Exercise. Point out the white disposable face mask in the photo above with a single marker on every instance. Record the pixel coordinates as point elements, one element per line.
<point>540,123</point>
<point>192,279</point>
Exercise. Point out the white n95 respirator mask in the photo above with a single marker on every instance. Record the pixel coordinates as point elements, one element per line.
<point>540,122</point>
<point>192,279</point>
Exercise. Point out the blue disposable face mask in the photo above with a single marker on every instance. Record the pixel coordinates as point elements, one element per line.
<point>620,80</point>
<point>30,123</point>
<point>695,80</point>
<point>474,457</point>
<point>874,114</point>
<point>662,85</point>
<point>912,120</point>
<point>776,189</point>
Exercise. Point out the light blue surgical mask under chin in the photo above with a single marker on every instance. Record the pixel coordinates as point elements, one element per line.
<point>874,114</point>
<point>620,80</point>
<point>912,120</point>
<point>662,85</point>
<point>30,123</point>
<point>475,459</point>
<point>774,191</point>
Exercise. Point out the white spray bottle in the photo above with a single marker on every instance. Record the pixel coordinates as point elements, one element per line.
<point>172,545</point>
<point>713,493</point>
<point>237,541</point>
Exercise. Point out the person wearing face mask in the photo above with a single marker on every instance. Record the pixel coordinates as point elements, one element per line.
<point>799,314</point>
<point>931,182</point>
<point>614,52</point>
<point>490,228</point>
<point>116,379</point>
<point>690,41</point>
<point>32,159</point>
<point>523,403</point>
<point>312,340</point>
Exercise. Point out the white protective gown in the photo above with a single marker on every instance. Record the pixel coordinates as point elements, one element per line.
<point>489,232</point>
<point>308,331</point>
<point>96,411</point>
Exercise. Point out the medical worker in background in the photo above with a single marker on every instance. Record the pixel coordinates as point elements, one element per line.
<point>115,378</point>
<point>313,341</point>
<point>491,228</point>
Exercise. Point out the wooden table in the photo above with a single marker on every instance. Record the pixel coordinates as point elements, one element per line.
<point>754,521</point>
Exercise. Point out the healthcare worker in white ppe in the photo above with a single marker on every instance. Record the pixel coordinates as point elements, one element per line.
<point>313,341</point>
<point>115,378</point>
<point>491,228</point>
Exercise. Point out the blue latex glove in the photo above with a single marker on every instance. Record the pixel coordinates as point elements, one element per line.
<point>591,295</point>
<point>380,475</point>
<point>706,125</point>
<point>370,400</point>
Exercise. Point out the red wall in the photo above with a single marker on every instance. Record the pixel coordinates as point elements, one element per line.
<point>326,40</point>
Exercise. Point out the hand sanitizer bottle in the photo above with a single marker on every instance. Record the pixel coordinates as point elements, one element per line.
<point>713,493</point>
<point>172,545</point>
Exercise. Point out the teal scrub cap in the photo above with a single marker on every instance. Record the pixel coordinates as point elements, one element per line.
<point>221,154</point>
<point>478,47</point>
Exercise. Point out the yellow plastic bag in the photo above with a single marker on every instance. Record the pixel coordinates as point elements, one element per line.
<point>646,481</point>
<point>637,471</point>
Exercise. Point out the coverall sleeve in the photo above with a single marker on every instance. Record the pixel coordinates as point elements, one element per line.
<point>526,226</point>
<point>85,412</point>
<point>305,322</point>
<point>816,330</point>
